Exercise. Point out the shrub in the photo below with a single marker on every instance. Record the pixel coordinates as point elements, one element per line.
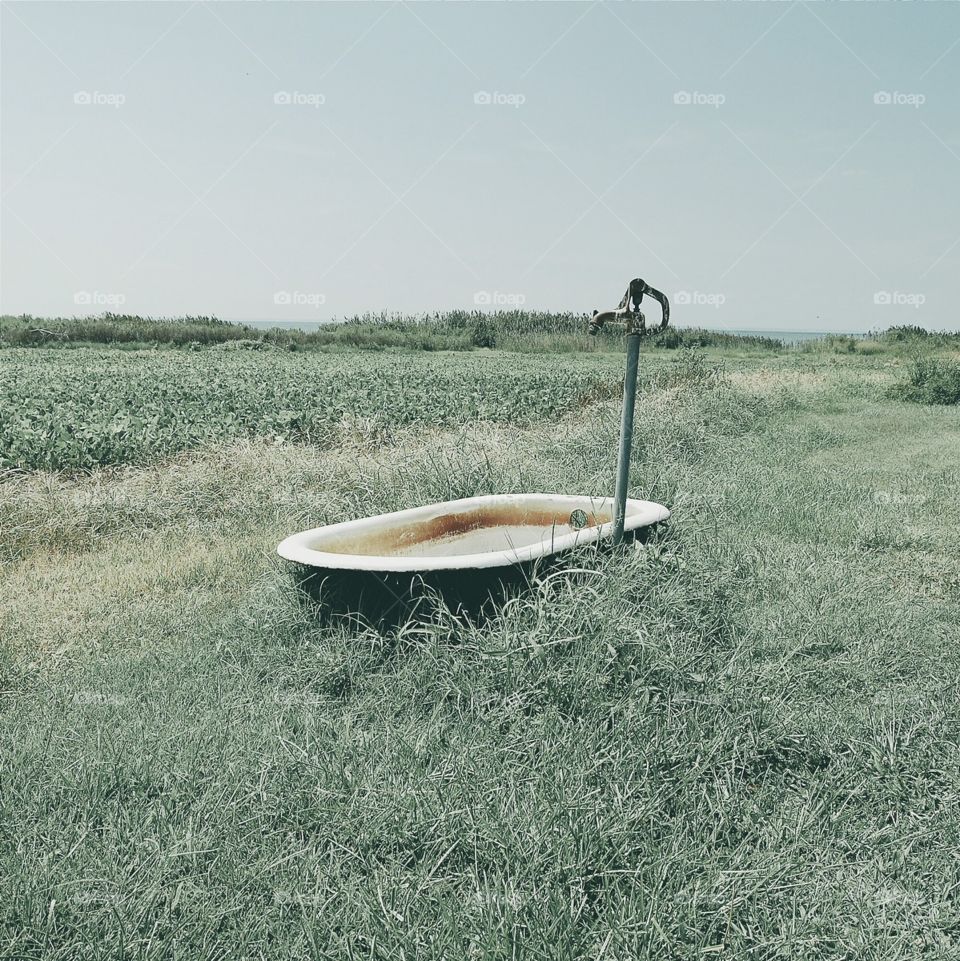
<point>841,343</point>
<point>674,338</point>
<point>930,381</point>
<point>690,370</point>
<point>901,332</point>
<point>484,334</point>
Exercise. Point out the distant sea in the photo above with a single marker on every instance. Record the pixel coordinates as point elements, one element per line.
<point>787,336</point>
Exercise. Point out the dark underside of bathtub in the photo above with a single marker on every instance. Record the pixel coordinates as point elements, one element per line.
<point>387,598</point>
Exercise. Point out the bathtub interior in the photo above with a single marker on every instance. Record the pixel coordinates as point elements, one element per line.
<point>478,529</point>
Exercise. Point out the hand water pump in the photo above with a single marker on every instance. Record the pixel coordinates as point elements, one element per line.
<point>628,314</point>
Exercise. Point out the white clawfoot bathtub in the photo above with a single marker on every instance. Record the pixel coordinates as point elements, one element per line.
<point>461,548</point>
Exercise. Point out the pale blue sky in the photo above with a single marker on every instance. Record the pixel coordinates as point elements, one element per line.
<point>785,198</point>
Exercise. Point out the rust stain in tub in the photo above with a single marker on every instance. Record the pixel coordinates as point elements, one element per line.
<point>403,537</point>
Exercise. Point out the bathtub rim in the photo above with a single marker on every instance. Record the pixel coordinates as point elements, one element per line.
<point>639,513</point>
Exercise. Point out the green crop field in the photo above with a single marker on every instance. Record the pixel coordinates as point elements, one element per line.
<point>741,741</point>
<point>82,409</point>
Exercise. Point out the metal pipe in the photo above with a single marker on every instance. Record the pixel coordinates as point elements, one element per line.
<point>626,435</point>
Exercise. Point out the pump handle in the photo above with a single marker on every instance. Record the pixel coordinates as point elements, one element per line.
<point>628,310</point>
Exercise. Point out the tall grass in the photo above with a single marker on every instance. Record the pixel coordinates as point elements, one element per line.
<point>513,330</point>
<point>121,329</point>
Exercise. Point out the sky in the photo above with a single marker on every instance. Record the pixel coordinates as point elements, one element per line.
<point>777,165</point>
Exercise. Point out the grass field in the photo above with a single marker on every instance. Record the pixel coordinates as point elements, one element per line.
<point>740,742</point>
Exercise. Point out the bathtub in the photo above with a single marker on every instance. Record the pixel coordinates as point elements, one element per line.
<point>467,551</point>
